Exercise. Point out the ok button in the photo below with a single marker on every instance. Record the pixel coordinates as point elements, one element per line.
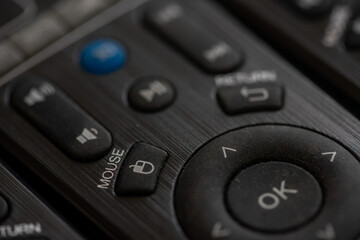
<point>274,196</point>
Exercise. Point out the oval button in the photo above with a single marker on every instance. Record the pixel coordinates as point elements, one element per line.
<point>103,56</point>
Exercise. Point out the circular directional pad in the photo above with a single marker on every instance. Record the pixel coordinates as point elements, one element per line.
<point>270,182</point>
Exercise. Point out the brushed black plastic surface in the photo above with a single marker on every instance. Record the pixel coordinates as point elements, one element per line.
<point>28,217</point>
<point>190,122</point>
<point>316,43</point>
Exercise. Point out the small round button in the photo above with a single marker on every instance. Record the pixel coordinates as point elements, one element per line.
<point>103,56</point>
<point>151,94</point>
<point>273,196</point>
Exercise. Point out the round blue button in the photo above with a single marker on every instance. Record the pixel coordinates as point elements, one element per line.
<point>103,56</point>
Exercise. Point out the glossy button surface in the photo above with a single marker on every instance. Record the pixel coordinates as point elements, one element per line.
<point>103,56</point>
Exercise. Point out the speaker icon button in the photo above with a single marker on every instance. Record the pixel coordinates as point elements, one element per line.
<point>61,119</point>
<point>87,135</point>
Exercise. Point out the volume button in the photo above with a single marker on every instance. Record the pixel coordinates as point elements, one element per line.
<point>61,119</point>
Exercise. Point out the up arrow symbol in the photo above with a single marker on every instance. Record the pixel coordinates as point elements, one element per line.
<point>227,149</point>
<point>333,154</point>
<point>219,232</point>
<point>328,233</point>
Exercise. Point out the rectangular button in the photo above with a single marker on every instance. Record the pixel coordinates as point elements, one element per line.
<point>141,169</point>
<point>61,119</point>
<point>242,99</point>
<point>76,12</point>
<point>9,56</point>
<point>196,40</point>
<point>43,31</point>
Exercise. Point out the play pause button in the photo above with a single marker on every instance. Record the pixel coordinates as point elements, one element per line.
<point>151,94</point>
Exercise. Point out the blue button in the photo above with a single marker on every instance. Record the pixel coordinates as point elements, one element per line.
<point>103,56</point>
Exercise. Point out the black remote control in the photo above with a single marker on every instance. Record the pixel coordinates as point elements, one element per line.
<point>157,119</point>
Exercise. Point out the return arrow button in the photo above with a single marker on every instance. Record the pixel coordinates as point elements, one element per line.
<point>243,99</point>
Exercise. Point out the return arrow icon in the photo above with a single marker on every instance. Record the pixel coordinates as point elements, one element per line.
<point>255,94</point>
